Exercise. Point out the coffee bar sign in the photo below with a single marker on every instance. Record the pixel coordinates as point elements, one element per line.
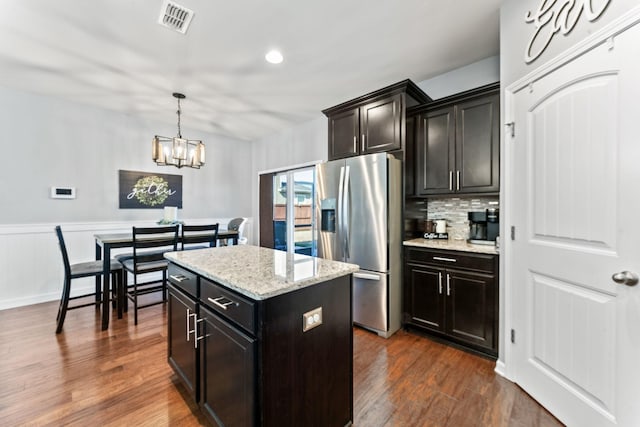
<point>143,190</point>
<point>558,16</point>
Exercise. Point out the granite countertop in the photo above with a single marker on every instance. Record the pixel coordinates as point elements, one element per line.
<point>452,245</point>
<point>257,272</point>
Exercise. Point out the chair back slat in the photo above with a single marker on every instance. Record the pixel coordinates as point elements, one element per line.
<point>162,239</point>
<point>63,250</point>
<point>200,234</point>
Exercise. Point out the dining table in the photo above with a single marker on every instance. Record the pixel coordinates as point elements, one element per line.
<point>106,242</point>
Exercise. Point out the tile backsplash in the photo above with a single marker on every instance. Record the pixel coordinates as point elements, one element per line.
<point>453,210</point>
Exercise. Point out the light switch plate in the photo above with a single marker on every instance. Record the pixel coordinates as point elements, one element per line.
<point>311,319</point>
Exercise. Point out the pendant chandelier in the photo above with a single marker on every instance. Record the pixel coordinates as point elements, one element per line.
<point>177,151</point>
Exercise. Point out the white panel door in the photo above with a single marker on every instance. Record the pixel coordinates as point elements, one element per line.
<point>576,211</point>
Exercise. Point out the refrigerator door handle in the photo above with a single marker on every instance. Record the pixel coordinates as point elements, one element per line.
<point>346,218</point>
<point>366,276</point>
<point>340,213</point>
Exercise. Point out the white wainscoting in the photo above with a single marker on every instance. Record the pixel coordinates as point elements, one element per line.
<point>31,268</point>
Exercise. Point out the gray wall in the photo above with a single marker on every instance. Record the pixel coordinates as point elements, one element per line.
<point>468,77</point>
<point>515,34</point>
<point>56,143</point>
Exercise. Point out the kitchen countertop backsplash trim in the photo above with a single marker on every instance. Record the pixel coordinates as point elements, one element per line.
<point>452,245</point>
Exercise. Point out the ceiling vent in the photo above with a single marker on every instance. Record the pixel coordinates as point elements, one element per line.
<point>175,17</point>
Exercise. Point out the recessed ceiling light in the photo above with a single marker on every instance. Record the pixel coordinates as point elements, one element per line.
<point>274,57</point>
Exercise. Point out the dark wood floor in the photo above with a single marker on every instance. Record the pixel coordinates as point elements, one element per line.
<point>121,377</point>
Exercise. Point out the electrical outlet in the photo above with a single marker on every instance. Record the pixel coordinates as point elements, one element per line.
<point>311,319</point>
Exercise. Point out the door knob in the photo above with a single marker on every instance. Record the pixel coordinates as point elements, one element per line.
<point>625,278</point>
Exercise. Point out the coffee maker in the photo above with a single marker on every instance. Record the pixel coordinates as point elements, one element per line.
<point>484,226</point>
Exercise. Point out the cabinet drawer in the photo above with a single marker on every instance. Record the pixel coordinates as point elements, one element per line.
<point>183,279</point>
<point>452,259</point>
<point>228,304</point>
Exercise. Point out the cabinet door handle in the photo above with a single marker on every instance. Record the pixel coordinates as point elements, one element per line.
<point>362,142</point>
<point>222,305</point>
<point>439,258</point>
<point>355,143</point>
<point>195,321</point>
<point>178,278</point>
<point>457,180</point>
<point>448,284</point>
<point>188,323</point>
<point>196,338</point>
<point>440,282</point>
<point>450,180</point>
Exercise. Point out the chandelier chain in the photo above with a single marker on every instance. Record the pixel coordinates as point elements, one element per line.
<point>178,112</point>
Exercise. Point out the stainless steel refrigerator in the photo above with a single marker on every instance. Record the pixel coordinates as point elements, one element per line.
<point>358,210</point>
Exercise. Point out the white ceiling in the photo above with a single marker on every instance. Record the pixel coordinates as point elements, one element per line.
<point>113,54</point>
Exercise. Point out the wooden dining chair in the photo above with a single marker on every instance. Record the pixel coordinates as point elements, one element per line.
<point>199,236</point>
<point>84,269</point>
<point>149,246</point>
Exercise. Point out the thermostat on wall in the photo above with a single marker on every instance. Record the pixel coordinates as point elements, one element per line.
<point>63,192</point>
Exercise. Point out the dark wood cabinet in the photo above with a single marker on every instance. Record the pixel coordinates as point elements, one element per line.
<point>470,311</point>
<point>410,160</point>
<point>183,356</point>
<point>344,134</point>
<point>458,144</point>
<point>435,146</point>
<point>227,372</point>
<point>453,295</point>
<point>425,304</point>
<point>372,123</point>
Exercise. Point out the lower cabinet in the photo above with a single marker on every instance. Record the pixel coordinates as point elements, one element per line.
<point>228,372</point>
<point>183,355</point>
<point>453,295</point>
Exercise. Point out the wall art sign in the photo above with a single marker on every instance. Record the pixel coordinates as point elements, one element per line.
<point>144,190</point>
<point>558,16</point>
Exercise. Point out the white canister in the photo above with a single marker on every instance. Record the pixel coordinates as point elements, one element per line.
<point>441,225</point>
<point>170,213</point>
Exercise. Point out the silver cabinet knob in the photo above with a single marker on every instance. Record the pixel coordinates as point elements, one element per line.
<point>625,278</point>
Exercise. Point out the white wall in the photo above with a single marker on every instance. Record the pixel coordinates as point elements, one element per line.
<point>50,142</point>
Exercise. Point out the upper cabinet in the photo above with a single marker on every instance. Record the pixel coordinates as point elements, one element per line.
<point>372,123</point>
<point>457,144</point>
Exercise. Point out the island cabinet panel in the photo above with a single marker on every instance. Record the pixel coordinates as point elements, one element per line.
<point>452,295</point>
<point>228,372</point>
<point>183,356</point>
<point>256,365</point>
<point>307,376</point>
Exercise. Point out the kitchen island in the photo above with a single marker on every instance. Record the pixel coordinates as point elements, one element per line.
<point>262,337</point>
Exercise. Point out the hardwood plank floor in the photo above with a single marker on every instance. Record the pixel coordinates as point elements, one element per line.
<point>121,377</point>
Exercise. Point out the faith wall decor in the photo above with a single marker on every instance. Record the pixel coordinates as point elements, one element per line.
<point>558,16</point>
